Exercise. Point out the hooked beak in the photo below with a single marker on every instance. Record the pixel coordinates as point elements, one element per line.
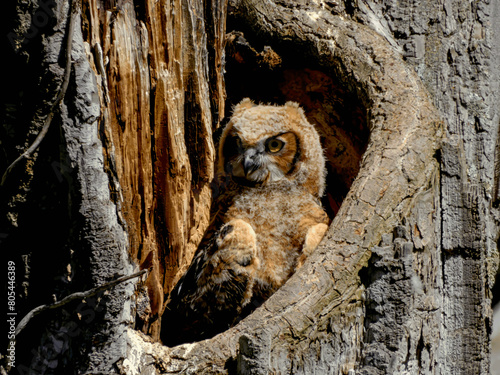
<point>249,165</point>
<point>251,162</point>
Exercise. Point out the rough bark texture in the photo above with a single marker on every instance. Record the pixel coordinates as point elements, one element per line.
<point>454,47</point>
<point>405,95</point>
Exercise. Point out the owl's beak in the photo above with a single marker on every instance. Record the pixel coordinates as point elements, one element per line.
<point>249,165</point>
<point>251,161</point>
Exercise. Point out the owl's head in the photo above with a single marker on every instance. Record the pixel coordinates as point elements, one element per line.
<point>264,144</point>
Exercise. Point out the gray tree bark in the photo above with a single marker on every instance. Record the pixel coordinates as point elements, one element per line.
<point>405,96</point>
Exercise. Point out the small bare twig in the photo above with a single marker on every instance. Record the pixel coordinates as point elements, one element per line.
<point>64,86</point>
<point>78,295</point>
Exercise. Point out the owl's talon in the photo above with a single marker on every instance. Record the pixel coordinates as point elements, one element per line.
<point>238,259</point>
<point>245,261</point>
<point>238,244</point>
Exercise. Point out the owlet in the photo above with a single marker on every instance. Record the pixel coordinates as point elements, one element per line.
<point>265,221</point>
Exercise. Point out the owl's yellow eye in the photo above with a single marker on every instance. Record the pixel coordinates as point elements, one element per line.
<point>274,145</point>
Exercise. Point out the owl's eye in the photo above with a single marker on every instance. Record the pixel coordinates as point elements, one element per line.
<point>274,145</point>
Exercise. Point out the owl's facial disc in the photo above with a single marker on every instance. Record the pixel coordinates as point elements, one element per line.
<point>267,160</point>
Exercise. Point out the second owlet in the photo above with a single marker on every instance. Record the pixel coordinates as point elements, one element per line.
<point>265,222</point>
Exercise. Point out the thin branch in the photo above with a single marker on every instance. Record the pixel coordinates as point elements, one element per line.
<point>64,86</point>
<point>78,295</point>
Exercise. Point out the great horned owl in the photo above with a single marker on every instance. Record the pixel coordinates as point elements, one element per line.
<point>264,224</point>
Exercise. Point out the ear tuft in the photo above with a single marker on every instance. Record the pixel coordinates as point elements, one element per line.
<point>294,107</point>
<point>243,105</point>
<point>292,104</point>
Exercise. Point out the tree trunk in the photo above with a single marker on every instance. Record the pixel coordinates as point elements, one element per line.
<point>405,98</point>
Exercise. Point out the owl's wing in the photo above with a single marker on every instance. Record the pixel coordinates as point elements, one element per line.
<point>217,285</point>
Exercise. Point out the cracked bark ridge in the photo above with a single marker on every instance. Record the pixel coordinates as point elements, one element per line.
<point>455,47</point>
<point>74,221</point>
